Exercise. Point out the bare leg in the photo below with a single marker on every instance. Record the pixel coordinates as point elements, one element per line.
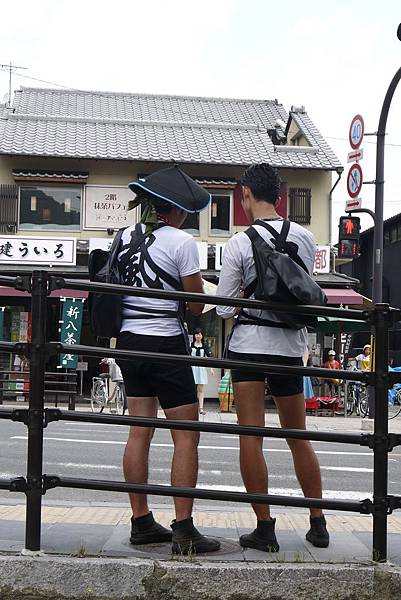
<point>291,410</point>
<point>200,388</point>
<point>184,467</point>
<point>249,402</point>
<point>136,455</point>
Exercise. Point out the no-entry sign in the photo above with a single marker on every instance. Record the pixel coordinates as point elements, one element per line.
<point>356,131</point>
<point>354,180</point>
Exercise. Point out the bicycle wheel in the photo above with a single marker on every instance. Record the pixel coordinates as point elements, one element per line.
<point>395,409</point>
<point>120,403</point>
<point>363,406</point>
<point>98,400</point>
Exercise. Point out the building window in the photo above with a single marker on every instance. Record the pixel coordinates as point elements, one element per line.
<point>50,208</point>
<point>220,214</point>
<point>300,205</point>
<point>191,224</point>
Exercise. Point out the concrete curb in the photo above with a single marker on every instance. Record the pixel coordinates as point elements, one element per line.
<point>27,578</point>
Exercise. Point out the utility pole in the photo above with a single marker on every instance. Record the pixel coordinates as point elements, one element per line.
<point>10,68</point>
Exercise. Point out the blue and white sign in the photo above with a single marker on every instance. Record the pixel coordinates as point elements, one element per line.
<point>356,132</point>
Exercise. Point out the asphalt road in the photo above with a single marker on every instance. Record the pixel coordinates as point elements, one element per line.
<point>95,451</point>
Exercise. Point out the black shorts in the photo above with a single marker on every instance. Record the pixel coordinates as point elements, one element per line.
<point>280,385</point>
<point>172,383</point>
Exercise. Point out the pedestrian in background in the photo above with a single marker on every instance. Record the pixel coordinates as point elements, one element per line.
<point>200,348</point>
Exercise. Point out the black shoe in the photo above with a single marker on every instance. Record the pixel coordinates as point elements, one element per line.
<point>318,534</point>
<point>188,540</point>
<point>262,538</point>
<point>145,530</point>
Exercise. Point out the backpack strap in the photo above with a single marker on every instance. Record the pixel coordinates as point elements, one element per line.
<point>280,241</point>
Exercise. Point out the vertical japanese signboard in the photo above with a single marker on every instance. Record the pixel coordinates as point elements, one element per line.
<point>70,329</point>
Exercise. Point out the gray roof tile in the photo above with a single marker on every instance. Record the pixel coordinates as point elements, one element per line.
<point>79,124</point>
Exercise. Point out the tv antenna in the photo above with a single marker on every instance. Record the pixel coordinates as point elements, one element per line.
<point>10,68</point>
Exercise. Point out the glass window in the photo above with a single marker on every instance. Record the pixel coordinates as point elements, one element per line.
<point>50,207</point>
<point>191,224</point>
<point>220,217</point>
<point>300,205</point>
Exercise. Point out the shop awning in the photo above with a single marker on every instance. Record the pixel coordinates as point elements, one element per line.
<point>330,325</point>
<point>343,296</point>
<point>7,291</point>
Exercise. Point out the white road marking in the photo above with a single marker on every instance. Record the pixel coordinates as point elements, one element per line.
<point>347,469</point>
<point>331,494</point>
<point>119,467</point>
<point>201,447</point>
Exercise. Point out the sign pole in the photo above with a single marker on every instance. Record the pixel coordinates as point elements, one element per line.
<point>377,291</point>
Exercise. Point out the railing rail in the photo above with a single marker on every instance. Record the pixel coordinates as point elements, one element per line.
<point>381,317</point>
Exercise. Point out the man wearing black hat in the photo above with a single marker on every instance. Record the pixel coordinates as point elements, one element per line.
<point>157,254</point>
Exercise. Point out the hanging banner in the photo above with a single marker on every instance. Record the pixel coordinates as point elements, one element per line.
<point>15,326</point>
<point>2,322</point>
<point>70,328</point>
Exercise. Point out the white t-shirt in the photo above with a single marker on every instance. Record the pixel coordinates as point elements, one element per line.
<point>363,362</point>
<point>238,271</point>
<point>175,252</point>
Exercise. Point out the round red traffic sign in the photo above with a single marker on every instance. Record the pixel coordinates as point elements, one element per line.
<point>354,180</point>
<point>356,131</point>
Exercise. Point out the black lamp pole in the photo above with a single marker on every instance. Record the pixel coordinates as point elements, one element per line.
<point>377,292</point>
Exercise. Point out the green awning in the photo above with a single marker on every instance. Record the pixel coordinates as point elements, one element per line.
<point>334,325</point>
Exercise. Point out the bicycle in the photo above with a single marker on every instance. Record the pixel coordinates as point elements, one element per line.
<point>357,400</point>
<point>100,396</point>
<point>394,408</point>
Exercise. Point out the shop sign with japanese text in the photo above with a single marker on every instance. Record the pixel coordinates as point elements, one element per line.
<point>106,207</point>
<point>322,260</point>
<point>70,328</point>
<point>37,250</point>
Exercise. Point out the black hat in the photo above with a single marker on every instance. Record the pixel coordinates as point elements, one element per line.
<point>174,186</point>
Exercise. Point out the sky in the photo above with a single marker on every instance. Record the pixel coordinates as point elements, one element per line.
<point>335,58</point>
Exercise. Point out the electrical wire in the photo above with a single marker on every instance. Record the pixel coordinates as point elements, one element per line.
<point>41,80</point>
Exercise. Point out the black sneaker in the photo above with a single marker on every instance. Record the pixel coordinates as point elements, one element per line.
<point>145,530</point>
<point>318,534</point>
<point>262,538</point>
<point>188,540</point>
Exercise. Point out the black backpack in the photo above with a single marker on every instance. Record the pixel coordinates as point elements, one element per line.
<point>104,267</point>
<point>282,277</point>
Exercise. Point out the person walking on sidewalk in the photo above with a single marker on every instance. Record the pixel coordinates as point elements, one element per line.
<point>200,347</point>
<point>270,343</point>
<point>163,257</point>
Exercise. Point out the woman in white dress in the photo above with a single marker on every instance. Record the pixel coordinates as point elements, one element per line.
<point>200,349</point>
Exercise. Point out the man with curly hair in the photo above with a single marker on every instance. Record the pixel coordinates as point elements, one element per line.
<point>259,336</point>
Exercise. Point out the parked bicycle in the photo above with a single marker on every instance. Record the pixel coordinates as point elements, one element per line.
<point>394,405</point>
<point>357,399</point>
<point>100,397</point>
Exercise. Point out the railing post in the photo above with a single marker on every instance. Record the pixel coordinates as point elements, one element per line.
<point>36,411</point>
<point>380,449</point>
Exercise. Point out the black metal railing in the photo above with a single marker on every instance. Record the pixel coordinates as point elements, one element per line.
<point>35,484</point>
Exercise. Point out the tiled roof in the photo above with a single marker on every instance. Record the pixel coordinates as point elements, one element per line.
<point>80,124</point>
